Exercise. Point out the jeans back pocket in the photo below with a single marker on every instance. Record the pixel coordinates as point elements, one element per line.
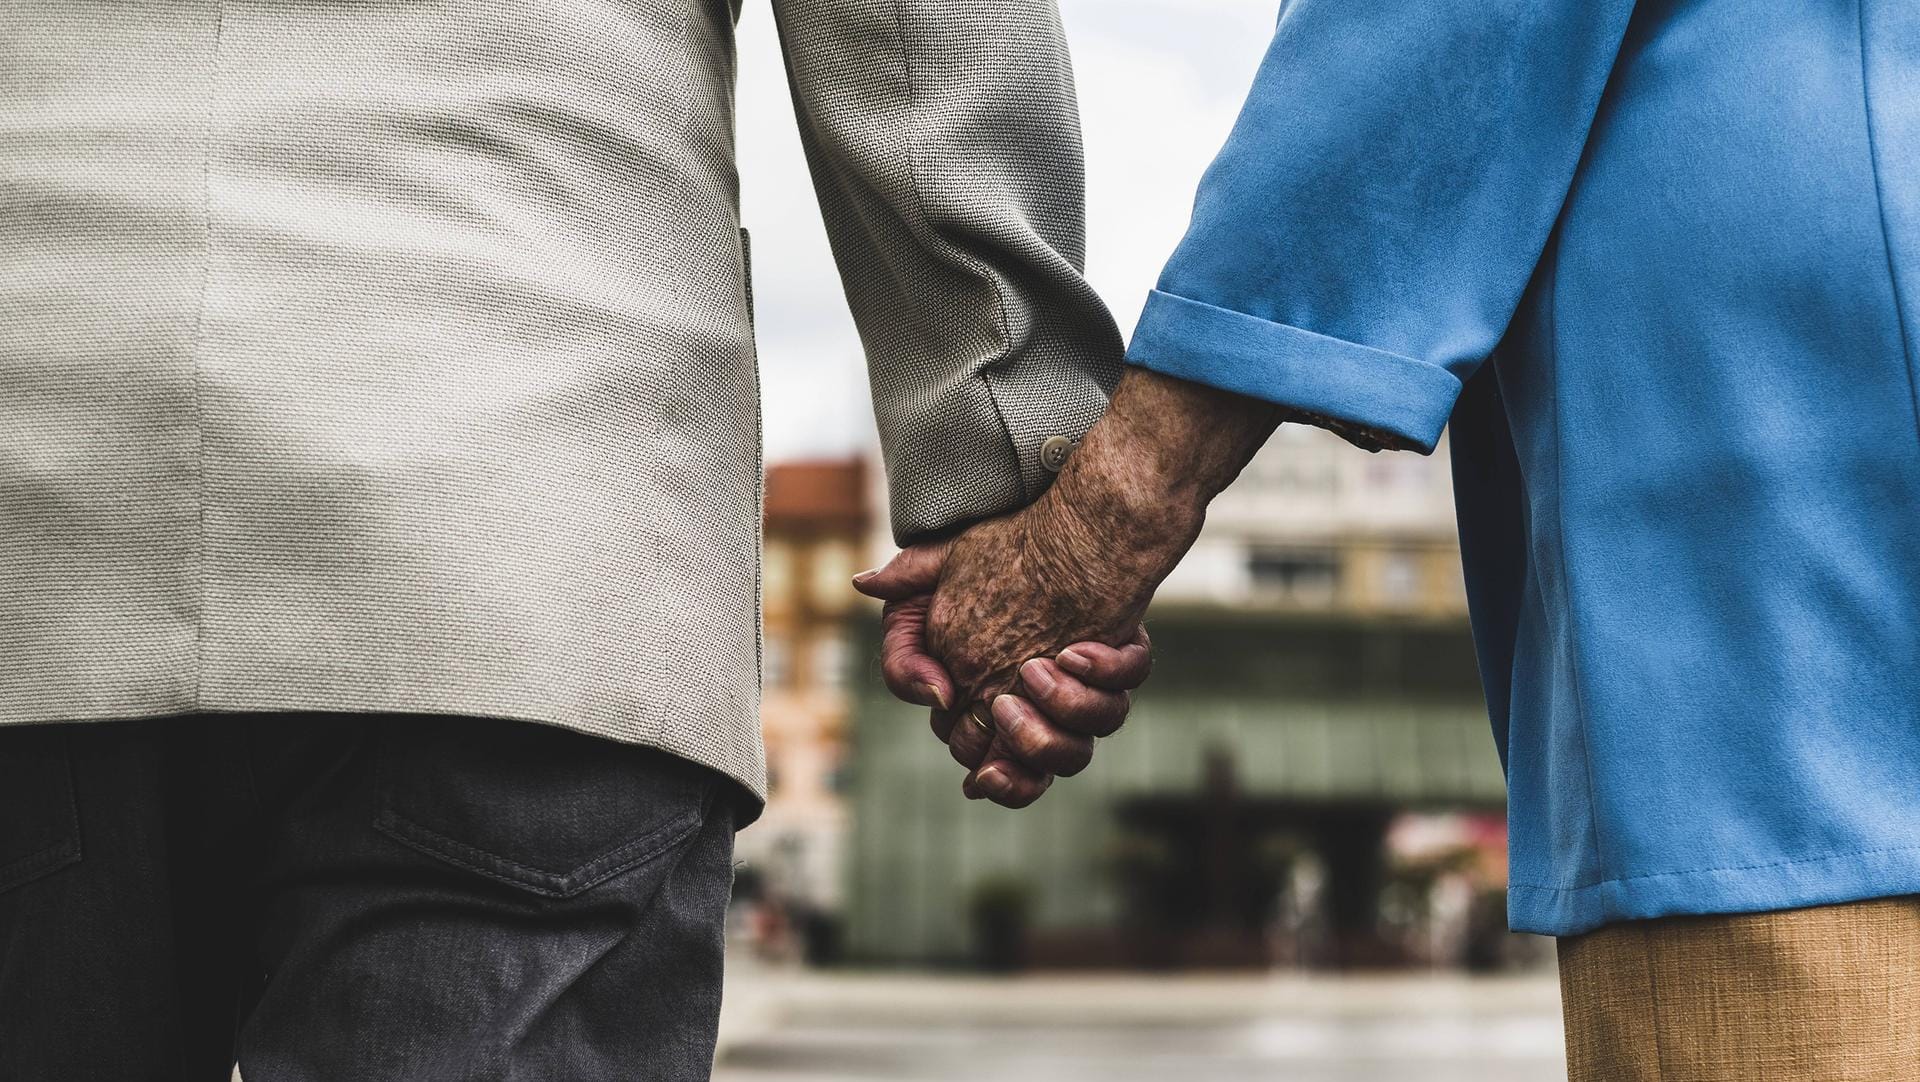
<point>39,818</point>
<point>546,810</point>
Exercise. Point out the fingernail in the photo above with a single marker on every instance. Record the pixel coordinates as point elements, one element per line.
<point>939,697</point>
<point>992,782</point>
<point>1076,664</point>
<point>1006,710</point>
<point>865,575</point>
<point>1037,676</point>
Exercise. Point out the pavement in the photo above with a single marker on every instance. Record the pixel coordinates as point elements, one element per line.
<point>798,1026</point>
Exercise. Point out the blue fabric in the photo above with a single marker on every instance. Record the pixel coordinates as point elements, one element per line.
<point>1660,264</point>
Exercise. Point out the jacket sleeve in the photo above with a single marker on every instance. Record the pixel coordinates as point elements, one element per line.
<point>944,144</point>
<point>1362,241</point>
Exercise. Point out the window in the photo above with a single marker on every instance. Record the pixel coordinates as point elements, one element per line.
<point>776,661</point>
<point>1299,576</point>
<point>830,656</point>
<point>1400,578</point>
<point>776,575</point>
<point>833,572</point>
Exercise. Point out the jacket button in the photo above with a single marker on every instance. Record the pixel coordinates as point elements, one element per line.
<point>1054,452</point>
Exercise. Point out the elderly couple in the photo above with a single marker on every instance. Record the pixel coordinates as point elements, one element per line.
<point>379,468</point>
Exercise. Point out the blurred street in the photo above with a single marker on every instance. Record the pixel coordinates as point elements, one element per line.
<point>812,1027</point>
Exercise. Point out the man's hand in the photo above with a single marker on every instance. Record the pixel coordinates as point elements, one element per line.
<point>1065,701</point>
<point>1077,566</point>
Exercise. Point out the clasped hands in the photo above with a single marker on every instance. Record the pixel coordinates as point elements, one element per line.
<point>1023,632</point>
<point>1023,636</point>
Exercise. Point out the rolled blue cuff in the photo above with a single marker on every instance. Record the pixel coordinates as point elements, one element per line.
<point>1367,388</point>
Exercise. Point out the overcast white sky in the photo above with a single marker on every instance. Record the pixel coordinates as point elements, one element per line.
<point>1160,83</point>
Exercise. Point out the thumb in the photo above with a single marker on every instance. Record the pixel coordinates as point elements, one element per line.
<point>914,571</point>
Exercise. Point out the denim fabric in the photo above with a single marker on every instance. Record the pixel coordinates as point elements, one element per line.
<point>333,897</point>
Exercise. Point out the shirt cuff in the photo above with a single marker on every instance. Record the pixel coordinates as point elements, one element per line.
<point>1395,400</point>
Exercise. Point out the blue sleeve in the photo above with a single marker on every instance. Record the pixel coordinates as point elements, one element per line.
<point>1361,242</point>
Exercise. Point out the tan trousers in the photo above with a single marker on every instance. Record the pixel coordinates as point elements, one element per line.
<point>1820,995</point>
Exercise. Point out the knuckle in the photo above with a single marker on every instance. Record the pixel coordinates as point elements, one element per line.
<point>1025,792</point>
<point>898,681</point>
<point>1111,715</point>
<point>1088,711</point>
<point>967,748</point>
<point>1053,752</point>
<point>1087,703</point>
<point>1033,741</point>
<point>1081,759</point>
<point>1060,699</point>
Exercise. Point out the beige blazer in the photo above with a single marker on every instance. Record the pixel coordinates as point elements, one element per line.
<point>370,355</point>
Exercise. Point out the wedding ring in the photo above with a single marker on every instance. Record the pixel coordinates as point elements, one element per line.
<point>981,715</point>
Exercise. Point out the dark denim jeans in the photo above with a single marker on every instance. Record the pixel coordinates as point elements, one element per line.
<point>351,898</point>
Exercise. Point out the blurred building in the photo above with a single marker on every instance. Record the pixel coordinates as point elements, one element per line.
<point>1308,779</point>
<point>818,534</point>
<point>1313,525</point>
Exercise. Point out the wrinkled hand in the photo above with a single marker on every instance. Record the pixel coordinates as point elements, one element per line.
<point>1070,698</point>
<point>1077,566</point>
<point>1040,642</point>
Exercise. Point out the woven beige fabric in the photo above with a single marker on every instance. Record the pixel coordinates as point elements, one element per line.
<point>370,355</point>
<point>1807,995</point>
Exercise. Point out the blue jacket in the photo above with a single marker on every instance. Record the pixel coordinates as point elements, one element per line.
<point>1660,265</point>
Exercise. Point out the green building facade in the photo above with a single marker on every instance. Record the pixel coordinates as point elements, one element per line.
<point>1260,737</point>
